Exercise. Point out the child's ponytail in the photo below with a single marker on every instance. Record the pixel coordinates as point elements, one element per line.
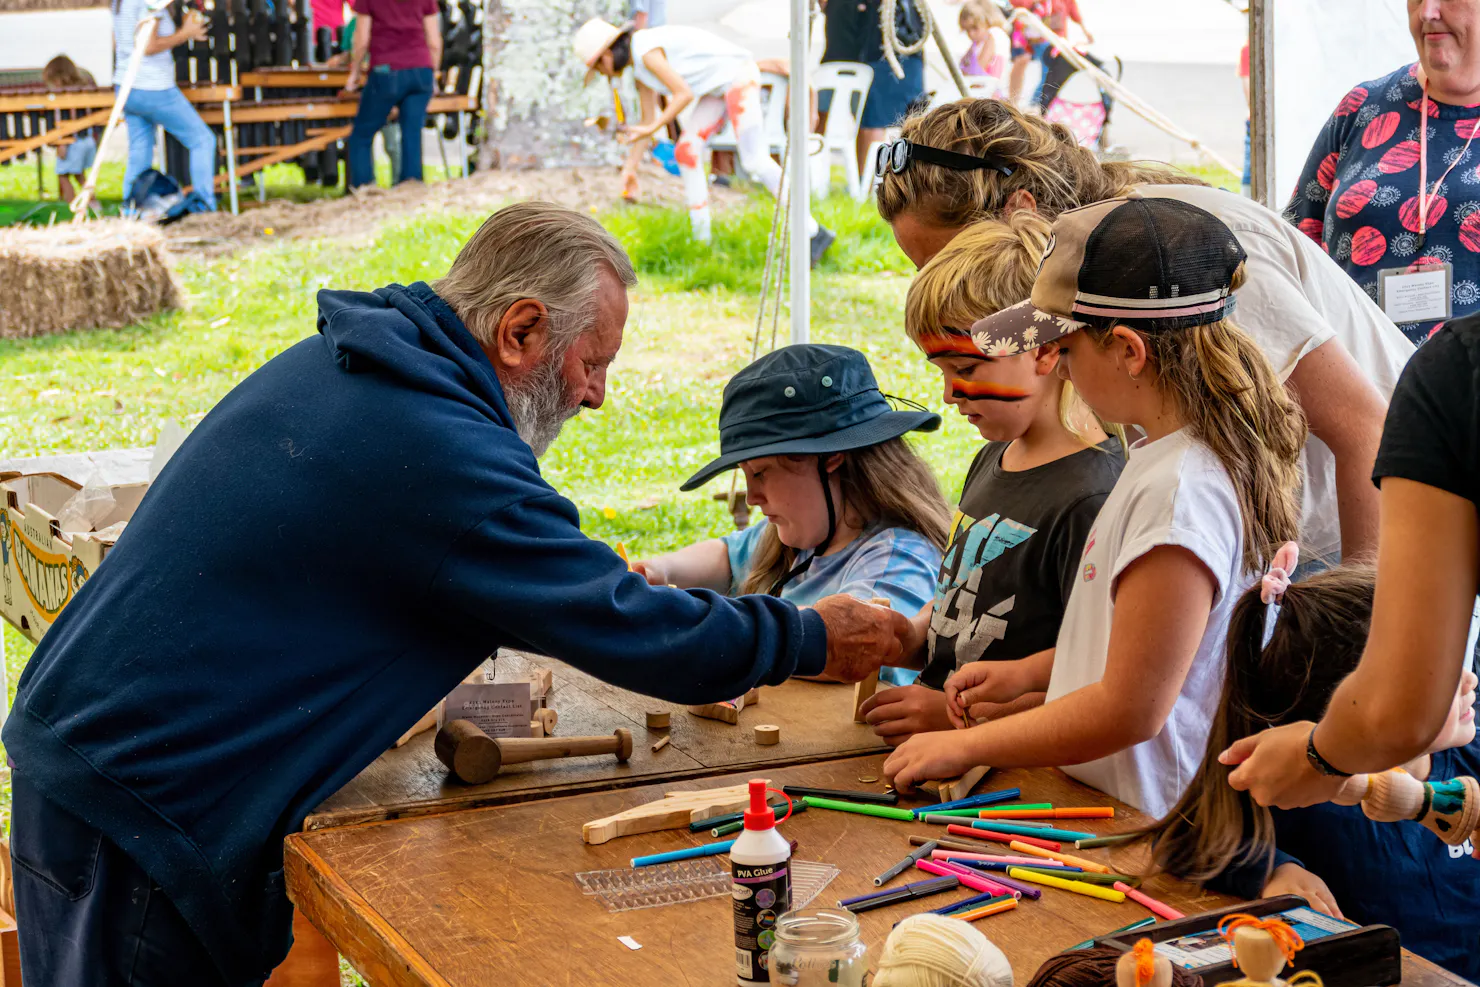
<point>1317,641</point>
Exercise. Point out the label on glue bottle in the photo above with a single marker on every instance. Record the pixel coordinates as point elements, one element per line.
<point>762,892</point>
<point>760,865</point>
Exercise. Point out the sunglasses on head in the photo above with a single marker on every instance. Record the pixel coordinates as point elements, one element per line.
<point>896,156</point>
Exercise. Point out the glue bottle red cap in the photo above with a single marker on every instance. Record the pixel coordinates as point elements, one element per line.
<point>760,815</point>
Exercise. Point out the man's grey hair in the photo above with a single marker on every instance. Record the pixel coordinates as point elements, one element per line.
<point>534,250</point>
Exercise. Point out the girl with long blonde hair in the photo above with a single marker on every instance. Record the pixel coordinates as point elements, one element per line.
<point>1032,492</point>
<point>848,506</point>
<point>1138,293</point>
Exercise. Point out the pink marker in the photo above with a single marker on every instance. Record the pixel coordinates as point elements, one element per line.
<point>992,858</point>
<point>968,877</point>
<point>1147,902</point>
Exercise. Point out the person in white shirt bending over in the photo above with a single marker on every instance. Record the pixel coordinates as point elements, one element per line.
<point>156,101</point>
<point>1137,292</point>
<point>685,64</point>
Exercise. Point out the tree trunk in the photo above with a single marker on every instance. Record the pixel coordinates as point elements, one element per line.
<point>534,102</point>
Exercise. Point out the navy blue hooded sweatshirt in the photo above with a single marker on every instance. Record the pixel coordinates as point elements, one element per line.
<point>343,538</point>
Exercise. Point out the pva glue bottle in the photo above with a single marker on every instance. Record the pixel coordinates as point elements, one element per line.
<point>760,865</point>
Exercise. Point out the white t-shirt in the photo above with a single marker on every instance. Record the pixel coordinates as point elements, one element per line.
<point>1295,299</point>
<point>156,71</point>
<point>1173,491</point>
<point>707,62</point>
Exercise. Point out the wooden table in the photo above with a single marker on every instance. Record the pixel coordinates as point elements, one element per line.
<point>816,721</point>
<point>488,895</point>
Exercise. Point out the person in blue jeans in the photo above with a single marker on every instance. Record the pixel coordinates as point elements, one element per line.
<point>401,42</point>
<point>156,101</point>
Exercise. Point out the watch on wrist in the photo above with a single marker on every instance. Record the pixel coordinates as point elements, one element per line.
<point>1318,762</point>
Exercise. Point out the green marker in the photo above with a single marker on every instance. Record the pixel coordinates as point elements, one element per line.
<point>727,829</point>
<point>1095,841</point>
<point>1090,877</point>
<point>862,808</point>
<point>1037,806</point>
<point>1124,928</point>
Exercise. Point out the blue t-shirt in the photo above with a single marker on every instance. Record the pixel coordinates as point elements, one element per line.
<point>897,564</point>
<point>1358,193</point>
<point>1396,874</point>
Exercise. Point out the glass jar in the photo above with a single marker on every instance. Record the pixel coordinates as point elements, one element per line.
<point>818,947</point>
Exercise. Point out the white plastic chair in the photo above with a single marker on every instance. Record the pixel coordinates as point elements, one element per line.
<point>773,112</point>
<point>871,164</point>
<point>849,84</point>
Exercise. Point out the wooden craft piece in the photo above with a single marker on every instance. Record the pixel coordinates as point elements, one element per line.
<point>428,720</point>
<point>864,691</point>
<point>475,757</point>
<point>1260,957</point>
<point>657,721</point>
<point>1448,809</point>
<point>956,788</point>
<point>676,810</point>
<point>540,682</point>
<point>547,719</point>
<point>1127,975</point>
<point>662,743</point>
<point>767,734</point>
<point>729,711</point>
<point>536,728</point>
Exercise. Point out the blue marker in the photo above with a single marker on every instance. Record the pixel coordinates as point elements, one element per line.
<point>1041,832</point>
<point>975,801</point>
<point>706,850</point>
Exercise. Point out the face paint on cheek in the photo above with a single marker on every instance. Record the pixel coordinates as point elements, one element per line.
<point>985,390</point>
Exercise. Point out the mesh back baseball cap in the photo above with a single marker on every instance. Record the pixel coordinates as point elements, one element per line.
<point>1151,264</point>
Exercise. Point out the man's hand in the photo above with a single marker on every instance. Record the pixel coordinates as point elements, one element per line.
<point>899,713</point>
<point>631,135</point>
<point>1294,879</point>
<point>860,636</point>
<point>928,756</point>
<point>1273,769</point>
<point>983,682</point>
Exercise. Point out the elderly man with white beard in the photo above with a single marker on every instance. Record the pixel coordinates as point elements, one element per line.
<point>346,535</point>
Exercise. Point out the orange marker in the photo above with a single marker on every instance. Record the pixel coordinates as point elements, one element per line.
<point>982,912</point>
<point>1063,858</point>
<point>1087,812</point>
<point>622,552</point>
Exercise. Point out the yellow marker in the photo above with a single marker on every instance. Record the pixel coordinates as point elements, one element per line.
<point>622,551</point>
<point>617,103</point>
<point>1063,858</point>
<point>1078,887</point>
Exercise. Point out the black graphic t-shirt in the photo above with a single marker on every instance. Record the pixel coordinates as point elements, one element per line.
<point>1013,556</point>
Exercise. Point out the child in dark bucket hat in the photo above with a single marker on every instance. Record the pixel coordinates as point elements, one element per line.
<point>848,507</point>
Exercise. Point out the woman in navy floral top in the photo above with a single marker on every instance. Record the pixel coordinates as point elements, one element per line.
<point>1359,194</point>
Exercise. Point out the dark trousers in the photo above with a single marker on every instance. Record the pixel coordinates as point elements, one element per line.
<point>408,90</point>
<point>87,915</point>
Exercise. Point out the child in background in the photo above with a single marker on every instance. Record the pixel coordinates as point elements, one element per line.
<point>76,158</point>
<point>987,29</point>
<point>1343,863</point>
<point>1204,500</point>
<point>849,507</point>
<point>1032,492</point>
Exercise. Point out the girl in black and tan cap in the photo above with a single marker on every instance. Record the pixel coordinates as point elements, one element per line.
<point>1138,294</point>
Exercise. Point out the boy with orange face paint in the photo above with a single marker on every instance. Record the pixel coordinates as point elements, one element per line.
<point>1032,492</point>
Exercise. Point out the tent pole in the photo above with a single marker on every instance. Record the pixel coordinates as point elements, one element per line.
<point>798,161</point>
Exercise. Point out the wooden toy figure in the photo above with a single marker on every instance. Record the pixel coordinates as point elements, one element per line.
<point>1141,967</point>
<point>1261,948</point>
<point>1449,809</point>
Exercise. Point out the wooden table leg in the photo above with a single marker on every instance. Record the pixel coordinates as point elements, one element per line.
<point>312,962</point>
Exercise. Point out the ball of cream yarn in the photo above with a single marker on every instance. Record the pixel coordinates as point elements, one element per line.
<point>935,951</point>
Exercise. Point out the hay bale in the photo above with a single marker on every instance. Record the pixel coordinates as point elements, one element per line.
<point>103,274</point>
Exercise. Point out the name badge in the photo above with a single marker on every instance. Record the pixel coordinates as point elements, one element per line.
<point>1422,295</point>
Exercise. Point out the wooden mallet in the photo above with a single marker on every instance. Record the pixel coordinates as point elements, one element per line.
<point>475,757</point>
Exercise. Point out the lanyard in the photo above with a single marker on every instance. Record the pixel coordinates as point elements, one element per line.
<point>1425,194</point>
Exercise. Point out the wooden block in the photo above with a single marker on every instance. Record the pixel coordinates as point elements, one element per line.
<point>536,728</point>
<point>547,718</point>
<point>862,692</point>
<point>425,723</point>
<point>767,734</point>
<point>540,683</point>
<point>658,721</point>
<point>956,788</point>
<point>674,811</point>
<point>662,743</point>
<point>727,712</point>
<point>312,962</point>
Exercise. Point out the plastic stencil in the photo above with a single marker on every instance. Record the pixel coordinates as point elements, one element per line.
<point>625,888</point>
